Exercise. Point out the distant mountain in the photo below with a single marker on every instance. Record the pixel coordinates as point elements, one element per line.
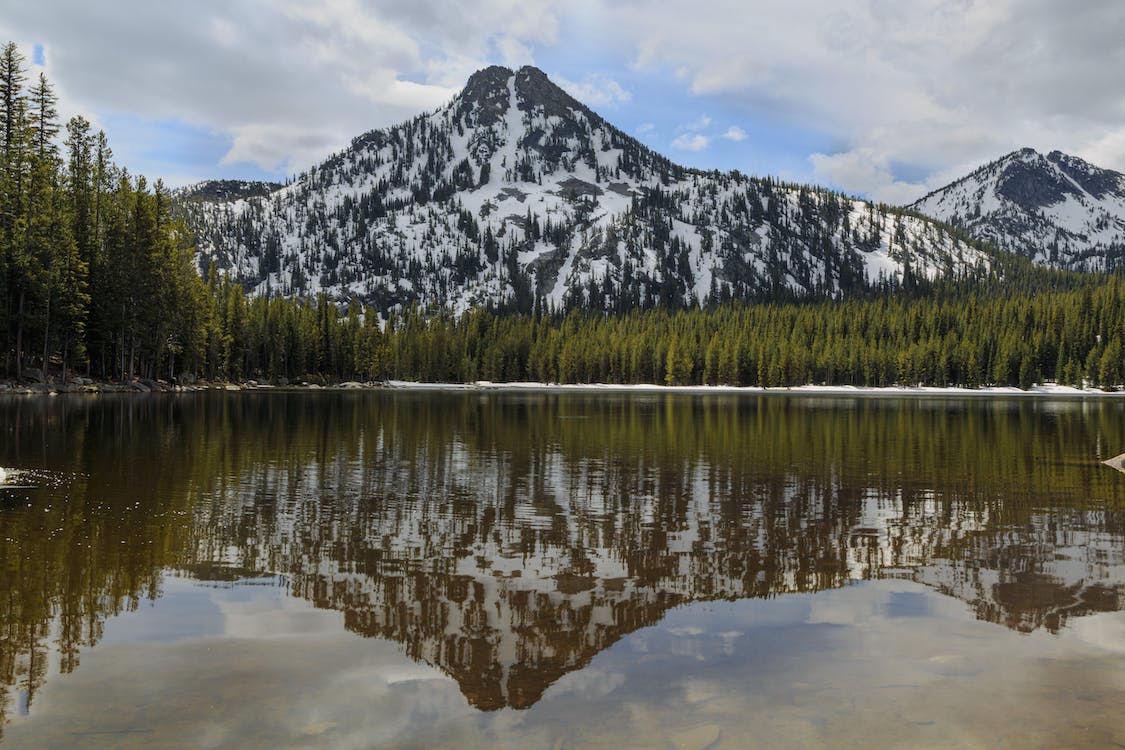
<point>516,193</point>
<point>1056,209</point>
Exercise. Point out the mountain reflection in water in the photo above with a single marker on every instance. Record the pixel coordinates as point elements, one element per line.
<point>507,542</point>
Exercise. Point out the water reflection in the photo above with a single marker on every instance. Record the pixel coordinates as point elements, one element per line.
<point>508,539</point>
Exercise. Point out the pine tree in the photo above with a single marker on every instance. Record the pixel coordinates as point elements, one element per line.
<point>678,363</point>
<point>13,152</point>
<point>47,237</point>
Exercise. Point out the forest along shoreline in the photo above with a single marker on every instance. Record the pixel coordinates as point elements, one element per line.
<point>35,384</point>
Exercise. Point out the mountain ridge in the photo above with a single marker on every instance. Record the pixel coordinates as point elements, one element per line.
<point>516,194</point>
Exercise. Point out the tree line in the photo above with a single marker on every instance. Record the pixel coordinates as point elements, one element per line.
<point>959,335</point>
<point>972,339</point>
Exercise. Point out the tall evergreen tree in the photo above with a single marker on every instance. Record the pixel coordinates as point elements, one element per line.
<point>13,131</point>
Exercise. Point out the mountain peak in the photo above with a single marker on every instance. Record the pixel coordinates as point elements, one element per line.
<point>1026,156</point>
<point>1054,208</point>
<point>487,79</point>
<point>535,89</point>
<point>532,73</point>
<point>488,94</point>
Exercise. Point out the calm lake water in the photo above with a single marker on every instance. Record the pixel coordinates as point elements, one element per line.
<point>424,570</point>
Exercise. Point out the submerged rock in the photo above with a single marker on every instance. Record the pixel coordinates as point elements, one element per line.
<point>1117,462</point>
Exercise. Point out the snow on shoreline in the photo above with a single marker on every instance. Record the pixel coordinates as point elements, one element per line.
<point>1042,390</point>
<point>1045,390</point>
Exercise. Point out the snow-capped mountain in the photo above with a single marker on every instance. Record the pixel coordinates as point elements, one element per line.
<point>515,191</point>
<point>1056,209</point>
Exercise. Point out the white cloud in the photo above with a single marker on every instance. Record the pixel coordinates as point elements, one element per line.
<point>895,88</point>
<point>921,85</point>
<point>278,147</point>
<point>645,128</point>
<point>864,171</point>
<point>700,123</point>
<point>594,90</point>
<point>1106,149</point>
<point>286,82</point>
<point>691,142</point>
<point>692,137</point>
<point>735,133</point>
<point>513,52</point>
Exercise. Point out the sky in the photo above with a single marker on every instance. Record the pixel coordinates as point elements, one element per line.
<point>880,98</point>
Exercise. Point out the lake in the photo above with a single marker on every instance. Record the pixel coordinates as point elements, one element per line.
<point>423,569</point>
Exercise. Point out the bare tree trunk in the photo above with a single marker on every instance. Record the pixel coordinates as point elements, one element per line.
<point>19,338</point>
<point>47,338</point>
